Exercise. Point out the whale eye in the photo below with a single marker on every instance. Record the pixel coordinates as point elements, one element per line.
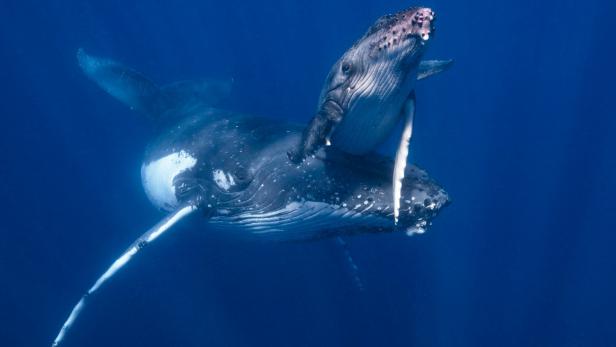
<point>346,68</point>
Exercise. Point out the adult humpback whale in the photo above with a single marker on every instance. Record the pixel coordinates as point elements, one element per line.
<point>234,168</point>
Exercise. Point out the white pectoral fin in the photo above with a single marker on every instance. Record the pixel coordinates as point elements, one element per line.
<point>138,245</point>
<point>403,153</point>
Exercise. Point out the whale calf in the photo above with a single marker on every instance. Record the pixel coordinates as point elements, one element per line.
<point>234,169</point>
<point>371,89</point>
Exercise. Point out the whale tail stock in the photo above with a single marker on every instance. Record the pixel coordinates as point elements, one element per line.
<point>143,240</point>
<point>140,93</point>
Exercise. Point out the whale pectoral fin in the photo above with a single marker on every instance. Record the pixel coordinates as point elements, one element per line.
<point>139,93</point>
<point>313,137</point>
<point>402,153</point>
<point>318,131</point>
<point>429,68</point>
<point>120,262</point>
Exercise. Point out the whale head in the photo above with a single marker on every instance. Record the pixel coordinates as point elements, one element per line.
<point>369,84</point>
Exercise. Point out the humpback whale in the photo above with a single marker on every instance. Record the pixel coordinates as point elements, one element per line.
<point>235,170</point>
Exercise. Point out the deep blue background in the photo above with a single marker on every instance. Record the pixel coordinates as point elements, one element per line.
<point>520,132</point>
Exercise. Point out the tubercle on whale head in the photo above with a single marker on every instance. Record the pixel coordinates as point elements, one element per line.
<point>393,29</point>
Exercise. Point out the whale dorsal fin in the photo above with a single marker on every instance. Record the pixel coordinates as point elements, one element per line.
<point>141,94</point>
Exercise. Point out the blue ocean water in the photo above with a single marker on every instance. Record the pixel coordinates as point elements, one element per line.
<point>519,131</point>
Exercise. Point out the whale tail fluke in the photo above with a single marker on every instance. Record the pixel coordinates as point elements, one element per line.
<point>141,94</point>
<point>146,238</point>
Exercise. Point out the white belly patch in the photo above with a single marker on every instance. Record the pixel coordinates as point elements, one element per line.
<point>157,177</point>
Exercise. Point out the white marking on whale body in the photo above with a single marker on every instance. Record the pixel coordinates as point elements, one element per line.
<point>157,178</point>
<point>223,180</point>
